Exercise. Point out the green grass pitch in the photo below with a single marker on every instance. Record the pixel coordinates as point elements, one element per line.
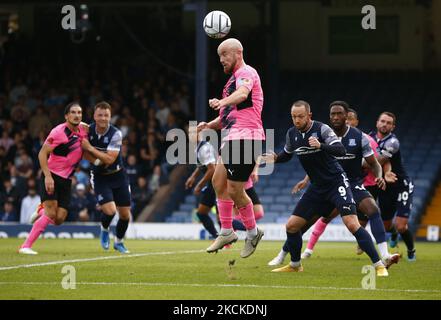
<point>183,270</point>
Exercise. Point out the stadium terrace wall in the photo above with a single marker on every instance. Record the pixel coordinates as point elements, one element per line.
<point>162,231</point>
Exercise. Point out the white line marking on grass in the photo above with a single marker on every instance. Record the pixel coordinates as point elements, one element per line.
<point>50,263</point>
<point>167,284</point>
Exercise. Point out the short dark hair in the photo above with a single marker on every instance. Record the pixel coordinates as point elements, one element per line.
<point>390,114</point>
<point>103,105</point>
<point>69,106</point>
<point>344,104</point>
<point>300,103</point>
<point>353,111</point>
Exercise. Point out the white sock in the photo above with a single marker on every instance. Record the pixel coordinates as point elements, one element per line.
<point>282,254</point>
<point>294,264</point>
<point>225,232</point>
<point>103,229</point>
<point>252,233</point>
<point>383,250</point>
<point>118,240</point>
<point>308,251</point>
<point>378,264</point>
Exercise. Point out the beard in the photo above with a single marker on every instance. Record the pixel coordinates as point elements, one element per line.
<point>73,123</point>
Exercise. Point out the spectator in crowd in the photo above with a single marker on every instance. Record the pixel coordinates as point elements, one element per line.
<point>19,183</point>
<point>80,172</point>
<point>132,170</point>
<point>8,213</point>
<point>23,164</point>
<point>8,193</point>
<point>3,162</point>
<point>20,89</point>
<point>29,205</point>
<point>162,113</point>
<point>20,115</point>
<point>36,147</point>
<point>6,141</point>
<point>39,122</point>
<point>140,196</point>
<point>79,205</point>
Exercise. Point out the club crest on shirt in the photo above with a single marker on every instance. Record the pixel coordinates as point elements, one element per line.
<point>352,143</point>
<point>106,140</point>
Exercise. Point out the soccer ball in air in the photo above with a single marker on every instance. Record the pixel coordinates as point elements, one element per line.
<point>217,24</point>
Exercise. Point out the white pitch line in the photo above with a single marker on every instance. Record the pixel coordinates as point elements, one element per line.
<point>157,284</point>
<point>50,263</point>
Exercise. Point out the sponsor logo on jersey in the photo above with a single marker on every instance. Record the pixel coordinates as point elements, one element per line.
<point>306,150</point>
<point>347,156</point>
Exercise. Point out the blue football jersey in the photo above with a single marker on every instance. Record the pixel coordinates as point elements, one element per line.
<point>109,141</point>
<point>389,147</point>
<point>321,167</point>
<point>357,147</point>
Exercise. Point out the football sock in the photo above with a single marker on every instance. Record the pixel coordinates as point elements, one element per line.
<point>121,228</point>
<point>226,213</point>
<point>382,247</point>
<point>294,244</point>
<point>258,215</point>
<point>319,228</point>
<point>365,242</point>
<point>393,234</point>
<point>208,224</point>
<point>106,220</point>
<point>38,227</point>
<point>238,225</point>
<point>377,227</point>
<point>247,215</point>
<point>408,239</point>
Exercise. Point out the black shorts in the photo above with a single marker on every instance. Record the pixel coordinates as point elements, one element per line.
<point>62,191</point>
<point>396,200</point>
<point>321,200</point>
<point>360,193</point>
<point>207,197</point>
<point>251,192</point>
<point>239,158</point>
<point>374,191</point>
<point>112,187</point>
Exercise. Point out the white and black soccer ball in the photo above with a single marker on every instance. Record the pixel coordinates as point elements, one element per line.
<point>217,24</point>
